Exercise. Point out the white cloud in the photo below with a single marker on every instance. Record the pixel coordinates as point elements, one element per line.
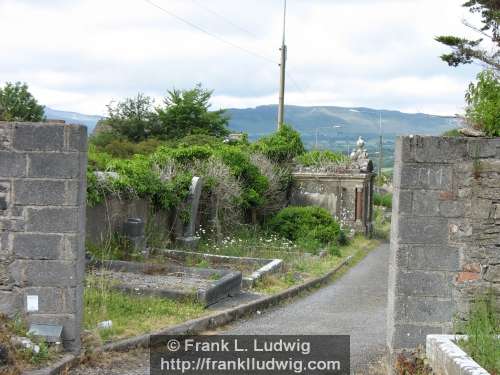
<point>79,55</point>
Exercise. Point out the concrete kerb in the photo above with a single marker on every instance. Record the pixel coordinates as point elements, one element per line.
<point>447,358</point>
<point>65,363</point>
<point>196,326</point>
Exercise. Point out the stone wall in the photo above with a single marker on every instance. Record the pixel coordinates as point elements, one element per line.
<point>42,224</point>
<point>445,240</point>
<point>108,217</point>
<point>347,196</point>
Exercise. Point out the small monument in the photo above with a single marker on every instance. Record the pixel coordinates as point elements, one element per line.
<point>360,158</point>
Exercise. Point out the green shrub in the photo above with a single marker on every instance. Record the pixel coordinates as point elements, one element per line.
<point>451,133</point>
<point>384,200</point>
<point>254,183</point>
<point>306,223</point>
<point>318,158</point>
<point>483,100</point>
<point>282,146</point>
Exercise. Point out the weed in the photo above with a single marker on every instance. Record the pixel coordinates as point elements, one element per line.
<point>482,329</point>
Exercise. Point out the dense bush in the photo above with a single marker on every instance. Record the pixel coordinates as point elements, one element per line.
<point>318,158</point>
<point>282,146</point>
<point>137,177</point>
<point>306,224</point>
<point>382,200</point>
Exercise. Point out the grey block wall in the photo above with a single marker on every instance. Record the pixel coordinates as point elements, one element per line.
<point>445,239</point>
<point>42,223</point>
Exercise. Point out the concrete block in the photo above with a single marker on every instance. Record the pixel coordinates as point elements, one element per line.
<point>402,202</point>
<point>73,247</point>
<point>54,220</point>
<point>428,230</point>
<point>425,203</point>
<point>37,246</point>
<point>55,165</point>
<point>440,149</point>
<point>77,138</point>
<point>5,136</point>
<point>428,310</point>
<point>432,177</point>
<point>10,302</point>
<point>423,283</point>
<point>12,164</point>
<point>12,225</point>
<point>410,336</point>
<point>76,193</point>
<point>434,258</point>
<point>36,137</point>
<point>39,192</point>
<point>49,273</point>
<point>52,300</point>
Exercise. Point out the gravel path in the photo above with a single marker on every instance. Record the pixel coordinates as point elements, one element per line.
<point>354,305</point>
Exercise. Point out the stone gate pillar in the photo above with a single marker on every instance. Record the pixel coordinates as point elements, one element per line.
<point>445,235</point>
<point>42,224</point>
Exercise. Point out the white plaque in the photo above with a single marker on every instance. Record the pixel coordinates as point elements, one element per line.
<point>32,303</point>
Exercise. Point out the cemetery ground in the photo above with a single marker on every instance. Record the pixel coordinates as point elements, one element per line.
<point>353,304</point>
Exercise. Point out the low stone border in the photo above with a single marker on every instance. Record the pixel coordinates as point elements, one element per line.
<point>268,266</point>
<point>229,283</point>
<point>59,367</point>
<point>446,358</point>
<point>199,325</point>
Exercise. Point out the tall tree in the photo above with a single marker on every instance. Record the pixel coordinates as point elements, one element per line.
<point>187,112</point>
<point>465,51</point>
<point>17,104</point>
<point>132,118</point>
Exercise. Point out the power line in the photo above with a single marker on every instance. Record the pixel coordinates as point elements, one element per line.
<point>215,36</point>
<point>227,19</point>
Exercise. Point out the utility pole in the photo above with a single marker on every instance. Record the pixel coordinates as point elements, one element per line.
<point>381,148</point>
<point>281,107</point>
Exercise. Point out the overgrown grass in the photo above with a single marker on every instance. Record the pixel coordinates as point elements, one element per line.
<point>131,315</point>
<point>384,200</point>
<point>382,225</point>
<point>19,358</point>
<point>300,268</point>
<point>483,330</point>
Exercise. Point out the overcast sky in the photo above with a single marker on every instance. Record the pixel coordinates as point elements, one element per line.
<point>79,55</point>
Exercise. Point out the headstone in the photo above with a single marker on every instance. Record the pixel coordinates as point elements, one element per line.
<point>189,238</point>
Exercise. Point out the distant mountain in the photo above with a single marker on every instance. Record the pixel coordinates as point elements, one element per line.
<point>73,118</point>
<point>353,121</point>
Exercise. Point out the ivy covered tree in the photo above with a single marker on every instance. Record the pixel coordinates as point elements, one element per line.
<point>18,104</point>
<point>186,112</point>
<point>465,51</point>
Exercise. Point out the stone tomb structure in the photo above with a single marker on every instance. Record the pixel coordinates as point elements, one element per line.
<point>345,192</point>
<point>445,238</point>
<point>42,224</point>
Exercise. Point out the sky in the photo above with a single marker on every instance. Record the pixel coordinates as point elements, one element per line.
<point>79,55</point>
